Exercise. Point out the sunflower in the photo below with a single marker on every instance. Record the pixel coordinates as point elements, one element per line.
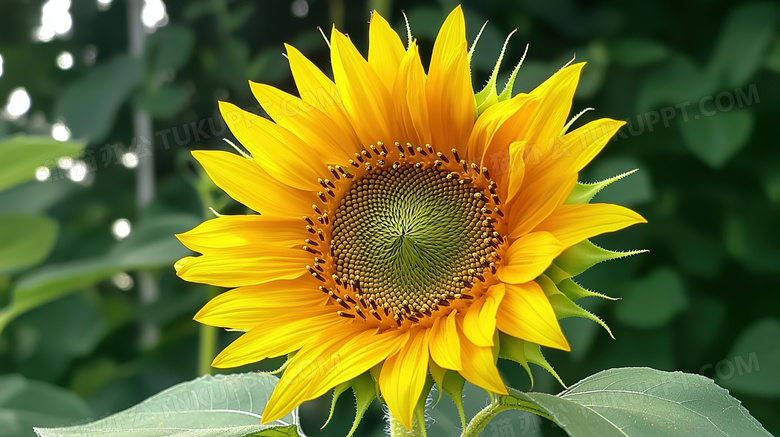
<point>406,226</point>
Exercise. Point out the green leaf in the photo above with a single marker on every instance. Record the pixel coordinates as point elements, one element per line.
<point>89,106</point>
<point>696,252</point>
<point>565,307</point>
<point>716,138</point>
<point>151,245</point>
<point>749,239</point>
<point>638,52</point>
<point>653,300</point>
<point>221,405</point>
<point>489,95</point>
<point>743,42</point>
<point>641,402</point>
<point>753,364</point>
<point>172,47</point>
<point>25,404</point>
<point>672,82</point>
<point>524,352</point>
<point>34,197</point>
<point>585,192</point>
<point>452,383</point>
<point>45,348</point>
<point>585,255</point>
<point>21,155</point>
<point>163,101</point>
<point>364,389</point>
<point>25,240</point>
<point>773,57</point>
<point>575,291</point>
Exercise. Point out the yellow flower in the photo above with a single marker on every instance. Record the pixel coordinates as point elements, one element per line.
<point>399,229</point>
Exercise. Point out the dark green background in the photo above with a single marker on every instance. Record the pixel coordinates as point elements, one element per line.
<point>697,82</point>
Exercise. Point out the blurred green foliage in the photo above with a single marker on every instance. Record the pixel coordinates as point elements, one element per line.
<point>696,81</point>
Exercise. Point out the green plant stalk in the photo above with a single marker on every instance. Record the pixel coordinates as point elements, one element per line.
<point>207,348</point>
<point>512,401</point>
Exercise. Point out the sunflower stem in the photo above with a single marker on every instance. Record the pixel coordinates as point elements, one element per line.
<point>208,342</point>
<point>513,401</point>
<point>398,430</point>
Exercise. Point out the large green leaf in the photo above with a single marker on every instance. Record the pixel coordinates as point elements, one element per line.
<point>171,46</point>
<point>151,245</point>
<point>33,197</point>
<point>218,406</point>
<point>25,240</point>
<point>25,404</point>
<point>90,105</point>
<point>675,81</point>
<point>750,238</point>
<point>21,155</point>
<point>43,347</point>
<point>639,402</point>
<point>162,101</point>
<point>743,42</point>
<point>653,300</point>
<point>716,137</point>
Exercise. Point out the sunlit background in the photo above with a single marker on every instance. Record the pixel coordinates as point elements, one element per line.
<point>101,322</point>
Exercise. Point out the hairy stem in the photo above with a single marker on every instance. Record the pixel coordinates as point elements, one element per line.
<point>398,430</point>
<point>513,401</point>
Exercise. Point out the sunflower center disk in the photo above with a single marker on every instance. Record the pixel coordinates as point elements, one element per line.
<point>407,239</point>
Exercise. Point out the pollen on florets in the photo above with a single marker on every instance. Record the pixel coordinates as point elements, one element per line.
<point>404,232</point>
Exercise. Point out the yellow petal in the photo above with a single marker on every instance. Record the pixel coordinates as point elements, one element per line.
<point>403,377</point>
<point>574,223</point>
<point>246,307</point>
<point>450,96</point>
<point>275,149</point>
<point>237,267</point>
<point>178,265</point>
<point>247,183</point>
<point>233,231</point>
<point>497,127</point>
<point>512,173</point>
<point>525,313</point>
<point>528,257</point>
<point>573,151</point>
<point>385,50</point>
<point>335,356</point>
<point>479,324</point>
<point>479,366</point>
<point>494,142</point>
<point>537,201</point>
<point>366,100</point>
<point>278,336</point>
<point>333,142</point>
<point>316,89</point>
<point>445,342</point>
<point>409,98</point>
<point>555,99</point>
